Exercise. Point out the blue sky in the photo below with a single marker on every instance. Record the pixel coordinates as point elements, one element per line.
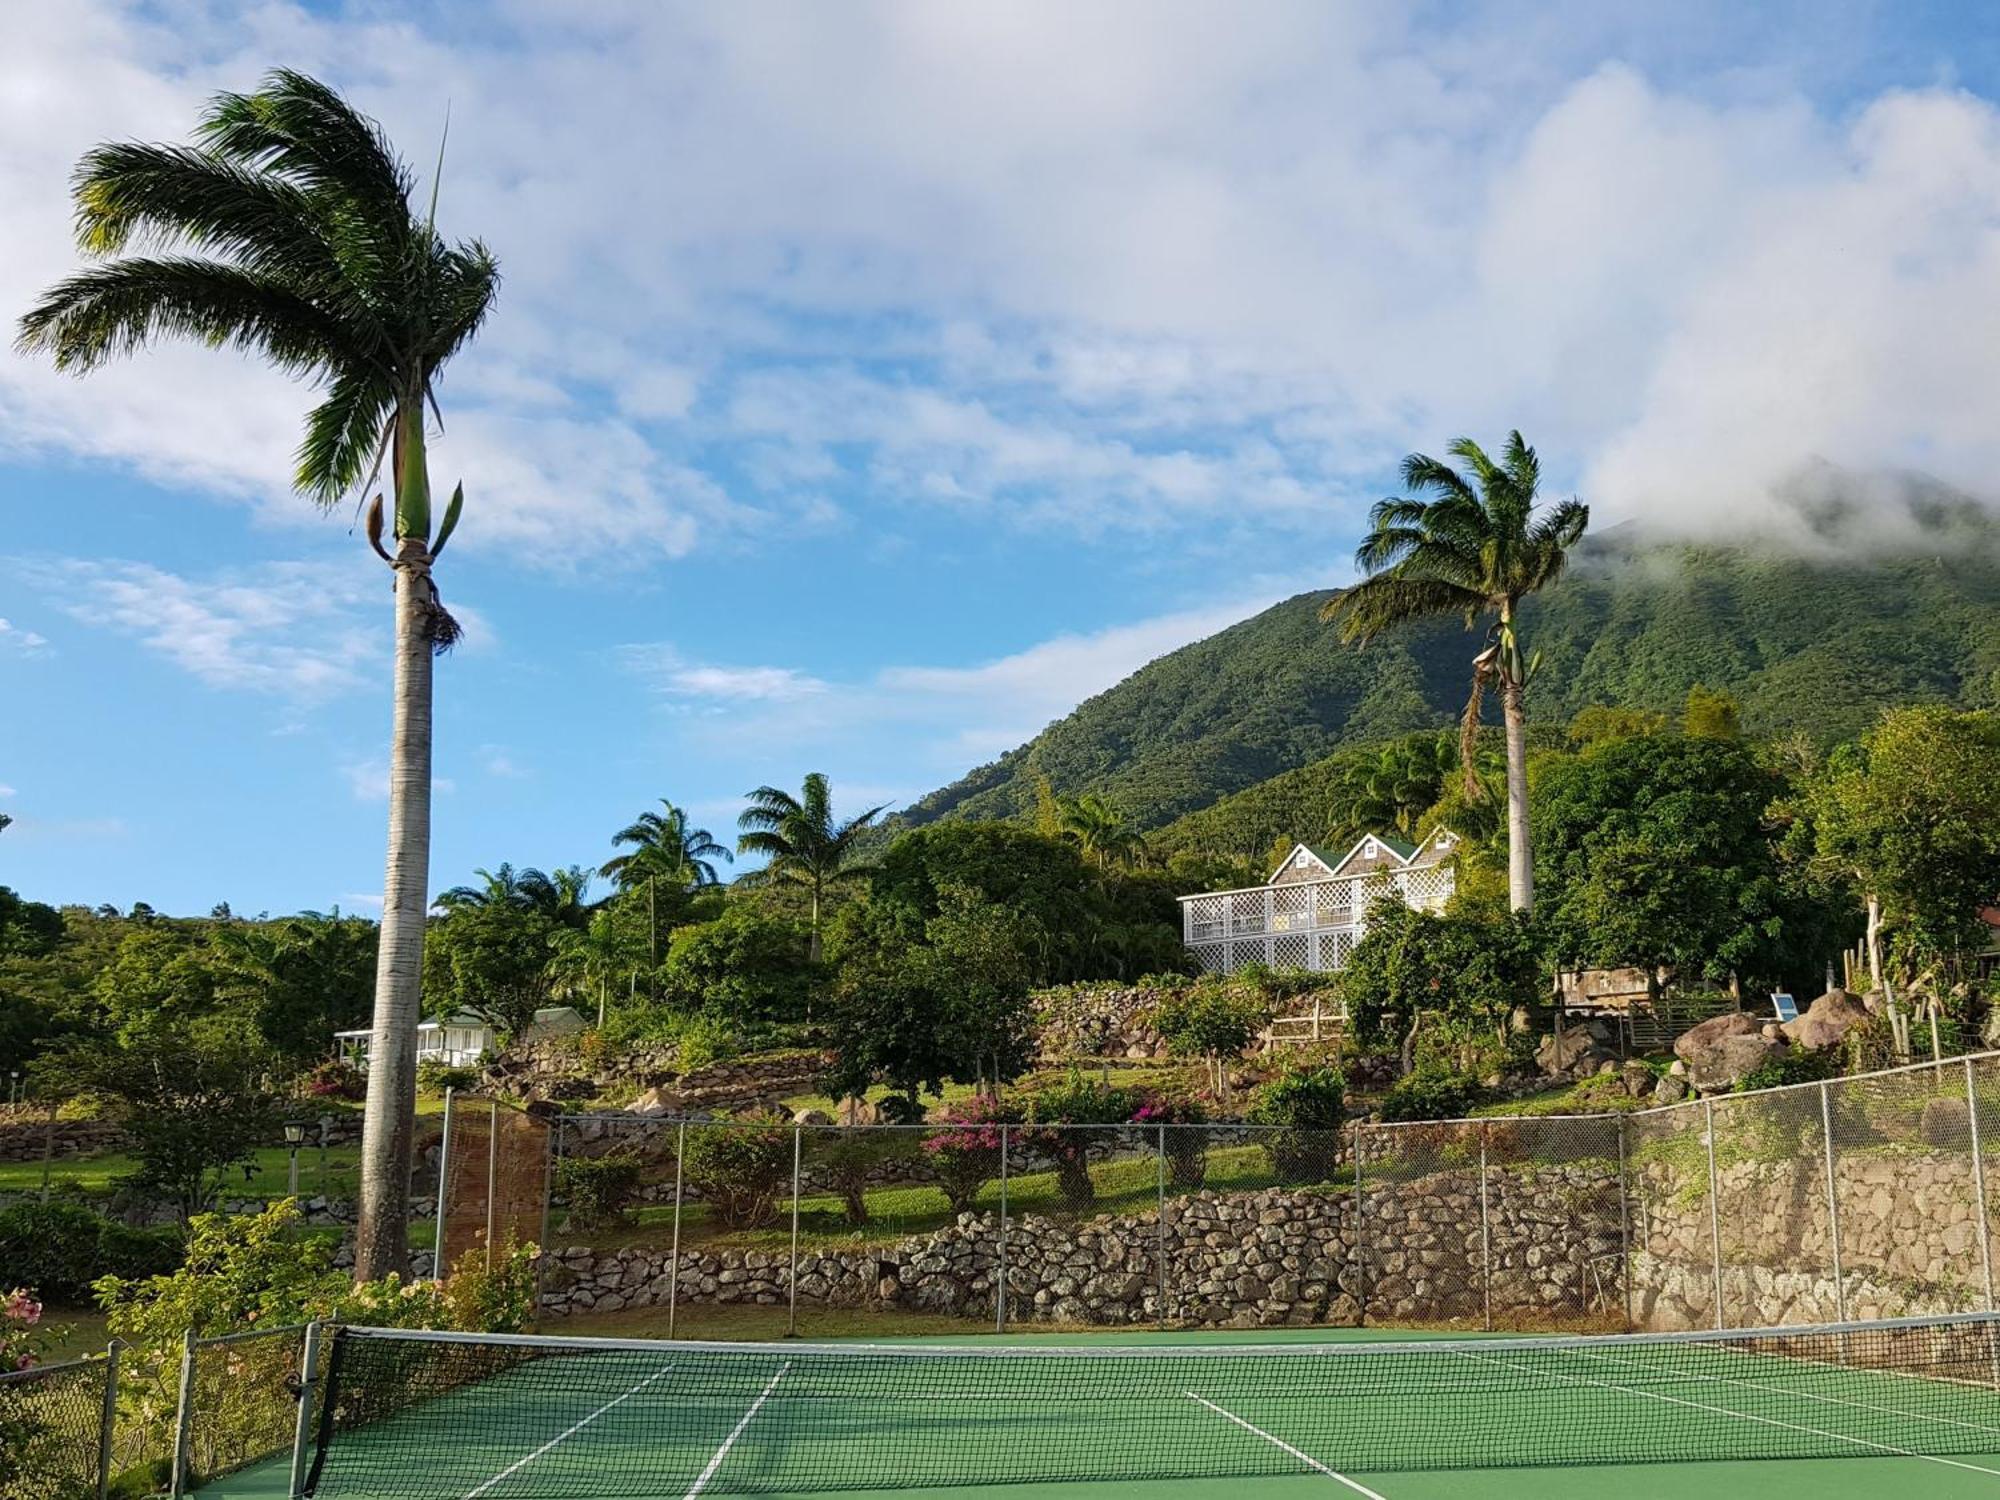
<point>872,382</point>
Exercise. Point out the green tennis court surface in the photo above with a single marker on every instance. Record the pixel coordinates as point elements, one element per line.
<point>1829,1414</point>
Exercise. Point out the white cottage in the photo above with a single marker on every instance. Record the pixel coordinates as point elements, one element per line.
<point>1311,912</point>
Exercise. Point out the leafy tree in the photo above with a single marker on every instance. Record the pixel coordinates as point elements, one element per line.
<point>490,959</point>
<point>1393,787</point>
<point>1099,830</point>
<point>1475,550</point>
<point>1457,978</point>
<point>744,965</point>
<point>299,242</point>
<point>1212,1020</point>
<point>1602,721</point>
<point>303,977</point>
<point>195,1099</point>
<point>1711,715</point>
<point>160,976</point>
<point>803,841</point>
<point>1662,852</point>
<point>1911,814</point>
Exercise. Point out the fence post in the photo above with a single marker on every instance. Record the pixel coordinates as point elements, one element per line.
<point>1360,1245</point>
<point>1832,1203</point>
<point>1162,1252</point>
<point>108,1422</point>
<point>308,1384</point>
<point>183,1416</point>
<point>1714,1207</point>
<point>1485,1239</point>
<point>792,1307</point>
<point>444,1177</point>
<point>1000,1290</point>
<point>492,1173</point>
<point>674,1263</point>
<point>1624,1225</point>
<point>1979,1184</point>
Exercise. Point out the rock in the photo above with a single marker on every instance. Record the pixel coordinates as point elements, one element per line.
<point>1718,1067</point>
<point>1671,1089</point>
<point>1946,1123</point>
<point>854,1110</point>
<point>1771,1032</point>
<point>1568,1050</point>
<point>811,1117</point>
<point>1677,1069</point>
<point>1637,1078</point>
<point>1705,1034</point>
<point>655,1102</point>
<point>1826,1021</point>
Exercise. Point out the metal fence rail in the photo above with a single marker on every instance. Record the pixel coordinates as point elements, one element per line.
<point>56,1423</point>
<point>1855,1198</point>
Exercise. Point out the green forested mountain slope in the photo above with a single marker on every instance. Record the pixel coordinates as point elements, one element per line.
<point>1815,645</point>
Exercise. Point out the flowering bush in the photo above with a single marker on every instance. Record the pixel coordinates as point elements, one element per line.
<point>964,1152</point>
<point>1186,1148</point>
<point>1075,1115</point>
<point>20,1342</point>
<point>335,1080</point>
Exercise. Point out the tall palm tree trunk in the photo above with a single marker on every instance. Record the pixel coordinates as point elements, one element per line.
<point>381,1240</point>
<point>1520,858</point>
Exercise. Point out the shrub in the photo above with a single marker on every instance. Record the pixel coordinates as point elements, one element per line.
<point>1432,1094</point>
<point>965,1152</point>
<point>59,1249</point>
<point>739,1169</point>
<point>23,1428</point>
<point>1213,1020</point>
<point>434,1076</point>
<point>1075,1115</point>
<point>1186,1148</point>
<point>850,1160</point>
<point>1306,1108</point>
<point>1794,1065</point>
<point>599,1190</point>
<point>335,1080</point>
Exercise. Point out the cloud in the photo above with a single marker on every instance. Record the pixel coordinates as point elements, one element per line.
<point>20,641</point>
<point>675,676</point>
<point>496,762</point>
<point>291,630</point>
<point>8,791</point>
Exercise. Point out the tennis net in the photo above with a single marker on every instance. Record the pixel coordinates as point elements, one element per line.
<point>423,1414</point>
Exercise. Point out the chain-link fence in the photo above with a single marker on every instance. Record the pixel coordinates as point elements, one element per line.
<point>55,1430</point>
<point>493,1179</point>
<point>238,1402</point>
<point>1856,1198</point>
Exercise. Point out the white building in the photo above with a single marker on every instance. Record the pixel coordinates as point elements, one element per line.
<point>1313,909</point>
<point>458,1042</point>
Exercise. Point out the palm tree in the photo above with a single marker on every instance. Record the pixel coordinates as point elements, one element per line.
<point>501,887</point>
<point>587,961</point>
<point>1475,548</point>
<point>1394,786</point>
<point>803,843</point>
<point>1099,830</point>
<point>665,846</point>
<point>287,229</point>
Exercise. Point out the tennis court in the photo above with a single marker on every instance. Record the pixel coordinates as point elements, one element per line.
<point>1823,1411</point>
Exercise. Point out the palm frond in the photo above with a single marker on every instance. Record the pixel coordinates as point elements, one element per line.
<point>343,436</point>
<point>299,128</point>
<point>1377,604</point>
<point>1421,472</point>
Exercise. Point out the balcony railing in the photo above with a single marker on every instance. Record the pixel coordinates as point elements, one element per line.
<point>1302,924</point>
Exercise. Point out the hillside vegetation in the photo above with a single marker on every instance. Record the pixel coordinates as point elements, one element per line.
<point>1816,646</point>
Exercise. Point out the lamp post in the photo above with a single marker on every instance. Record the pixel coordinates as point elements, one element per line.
<point>13,1087</point>
<point>295,1136</point>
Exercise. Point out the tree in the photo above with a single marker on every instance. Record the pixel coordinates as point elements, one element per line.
<point>1392,787</point>
<point>745,966</point>
<point>803,842</point>
<point>491,958</point>
<point>667,851</point>
<point>1098,829</point>
<point>1476,550</point>
<point>1456,977</point>
<point>300,242</point>
<point>1663,852</point>
<point>1711,715</point>
<point>303,977</point>
<point>1910,814</point>
<point>586,965</point>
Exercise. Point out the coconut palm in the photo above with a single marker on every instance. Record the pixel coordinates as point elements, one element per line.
<point>1099,830</point>
<point>287,230</point>
<point>802,841</point>
<point>1474,548</point>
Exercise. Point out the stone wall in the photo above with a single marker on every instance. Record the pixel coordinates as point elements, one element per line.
<point>1271,1257</point>
<point>26,1138</point>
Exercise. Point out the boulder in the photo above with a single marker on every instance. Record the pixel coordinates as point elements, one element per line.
<point>811,1117</point>
<point>1718,1067</point>
<point>655,1102</point>
<point>1703,1035</point>
<point>1637,1078</point>
<point>1826,1021</point>
<point>1670,1090</point>
<point>1946,1123</point>
<point>854,1110</point>
<point>1569,1050</point>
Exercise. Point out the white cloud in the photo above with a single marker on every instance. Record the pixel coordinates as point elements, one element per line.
<point>24,642</point>
<point>674,675</point>
<point>8,791</point>
<point>496,762</point>
<point>293,630</point>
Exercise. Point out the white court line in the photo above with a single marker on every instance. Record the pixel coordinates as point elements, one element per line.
<point>1278,1442</point>
<point>1741,1416</point>
<point>730,1441</point>
<point>1781,1390</point>
<point>566,1434</point>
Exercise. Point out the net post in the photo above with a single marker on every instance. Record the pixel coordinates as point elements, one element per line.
<point>1360,1245</point>
<point>183,1416</point>
<point>1485,1239</point>
<point>1979,1183</point>
<point>108,1420</point>
<point>1161,1173</point>
<point>1832,1204</point>
<point>1000,1290</point>
<point>1714,1208</point>
<point>302,1431</point>
<point>1624,1224</point>
<point>792,1281</point>
<point>674,1255</point>
<point>444,1178</point>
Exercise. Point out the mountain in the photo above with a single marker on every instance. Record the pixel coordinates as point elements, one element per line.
<point>1873,615</point>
